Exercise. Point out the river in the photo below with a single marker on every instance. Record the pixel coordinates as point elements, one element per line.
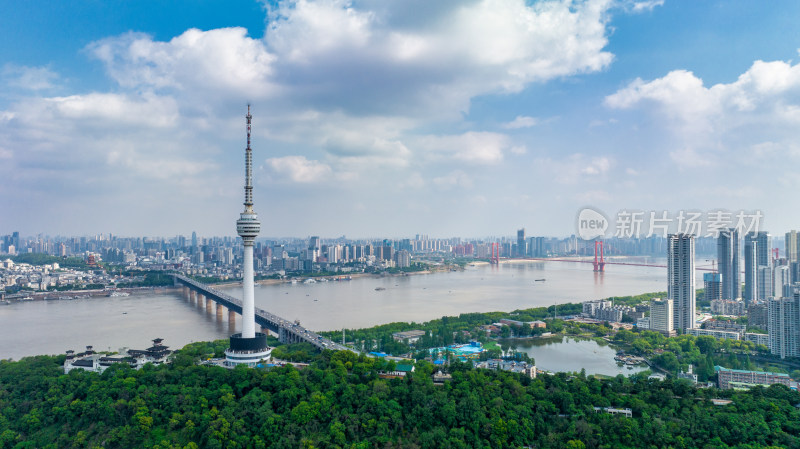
<point>51,327</point>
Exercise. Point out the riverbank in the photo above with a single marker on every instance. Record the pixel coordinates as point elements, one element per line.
<point>76,294</point>
<point>348,276</point>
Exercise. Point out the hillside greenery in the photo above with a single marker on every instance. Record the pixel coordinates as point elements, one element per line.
<point>340,401</point>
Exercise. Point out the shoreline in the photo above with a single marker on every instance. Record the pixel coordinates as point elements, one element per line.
<point>57,295</point>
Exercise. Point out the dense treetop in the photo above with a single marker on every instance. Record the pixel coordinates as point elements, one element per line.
<point>340,401</point>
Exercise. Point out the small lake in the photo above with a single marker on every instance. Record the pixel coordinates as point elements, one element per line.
<point>572,354</point>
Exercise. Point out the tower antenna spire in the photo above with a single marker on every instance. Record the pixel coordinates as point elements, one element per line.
<point>248,186</point>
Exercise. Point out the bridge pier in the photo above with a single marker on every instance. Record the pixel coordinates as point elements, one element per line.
<point>231,319</point>
<point>219,311</point>
<point>192,296</point>
<point>209,304</point>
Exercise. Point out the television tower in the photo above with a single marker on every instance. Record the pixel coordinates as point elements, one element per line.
<point>248,347</point>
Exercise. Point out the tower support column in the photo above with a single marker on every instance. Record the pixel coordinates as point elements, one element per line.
<point>248,302</point>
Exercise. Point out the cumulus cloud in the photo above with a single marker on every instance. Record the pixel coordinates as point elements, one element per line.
<point>344,87</point>
<point>470,147</point>
<point>456,178</point>
<point>575,168</point>
<point>726,117</point>
<point>682,96</point>
<point>298,169</point>
<point>521,121</point>
<point>30,78</point>
<point>640,6</point>
<point>370,57</point>
<point>197,62</point>
<point>598,166</point>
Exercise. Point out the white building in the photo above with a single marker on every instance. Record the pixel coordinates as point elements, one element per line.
<point>784,326</point>
<point>333,254</point>
<point>681,279</point>
<point>662,316</point>
<point>718,334</point>
<point>781,281</point>
<point>759,339</point>
<point>403,259</point>
<point>590,307</point>
<point>727,307</point>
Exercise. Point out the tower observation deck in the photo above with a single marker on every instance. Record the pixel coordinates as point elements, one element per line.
<point>248,347</point>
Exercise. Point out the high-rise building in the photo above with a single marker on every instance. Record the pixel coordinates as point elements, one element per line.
<point>756,256</point>
<point>403,259</point>
<point>662,316</point>
<point>248,347</point>
<point>711,286</point>
<point>792,245</point>
<point>521,243</point>
<point>333,254</point>
<point>751,246</point>
<point>784,325</point>
<point>781,281</point>
<point>681,280</point>
<point>763,241</point>
<point>728,261</point>
<point>314,243</point>
<point>764,283</point>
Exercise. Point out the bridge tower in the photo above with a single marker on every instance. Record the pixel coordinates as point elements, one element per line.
<point>249,347</point>
<point>495,257</point>
<point>599,263</point>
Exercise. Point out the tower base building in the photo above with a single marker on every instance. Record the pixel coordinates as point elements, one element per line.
<point>247,351</point>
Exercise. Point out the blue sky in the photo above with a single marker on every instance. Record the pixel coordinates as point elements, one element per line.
<point>373,118</point>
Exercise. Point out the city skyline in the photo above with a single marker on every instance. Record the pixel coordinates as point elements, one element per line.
<point>450,119</point>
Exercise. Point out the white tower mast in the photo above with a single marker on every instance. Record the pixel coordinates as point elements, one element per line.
<point>250,347</point>
<point>248,228</point>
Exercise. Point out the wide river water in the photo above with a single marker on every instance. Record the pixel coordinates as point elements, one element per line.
<point>51,327</point>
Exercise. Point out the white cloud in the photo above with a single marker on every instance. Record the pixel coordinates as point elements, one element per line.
<point>97,109</point>
<point>198,63</point>
<point>598,166</point>
<point>521,121</point>
<point>298,169</point>
<point>575,169</point>
<point>30,78</point>
<point>640,6</point>
<point>413,181</point>
<point>471,147</point>
<point>456,178</point>
<point>336,54</point>
<point>681,95</point>
<point>726,118</point>
<point>371,92</point>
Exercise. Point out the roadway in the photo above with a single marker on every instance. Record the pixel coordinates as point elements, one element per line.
<point>288,331</point>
